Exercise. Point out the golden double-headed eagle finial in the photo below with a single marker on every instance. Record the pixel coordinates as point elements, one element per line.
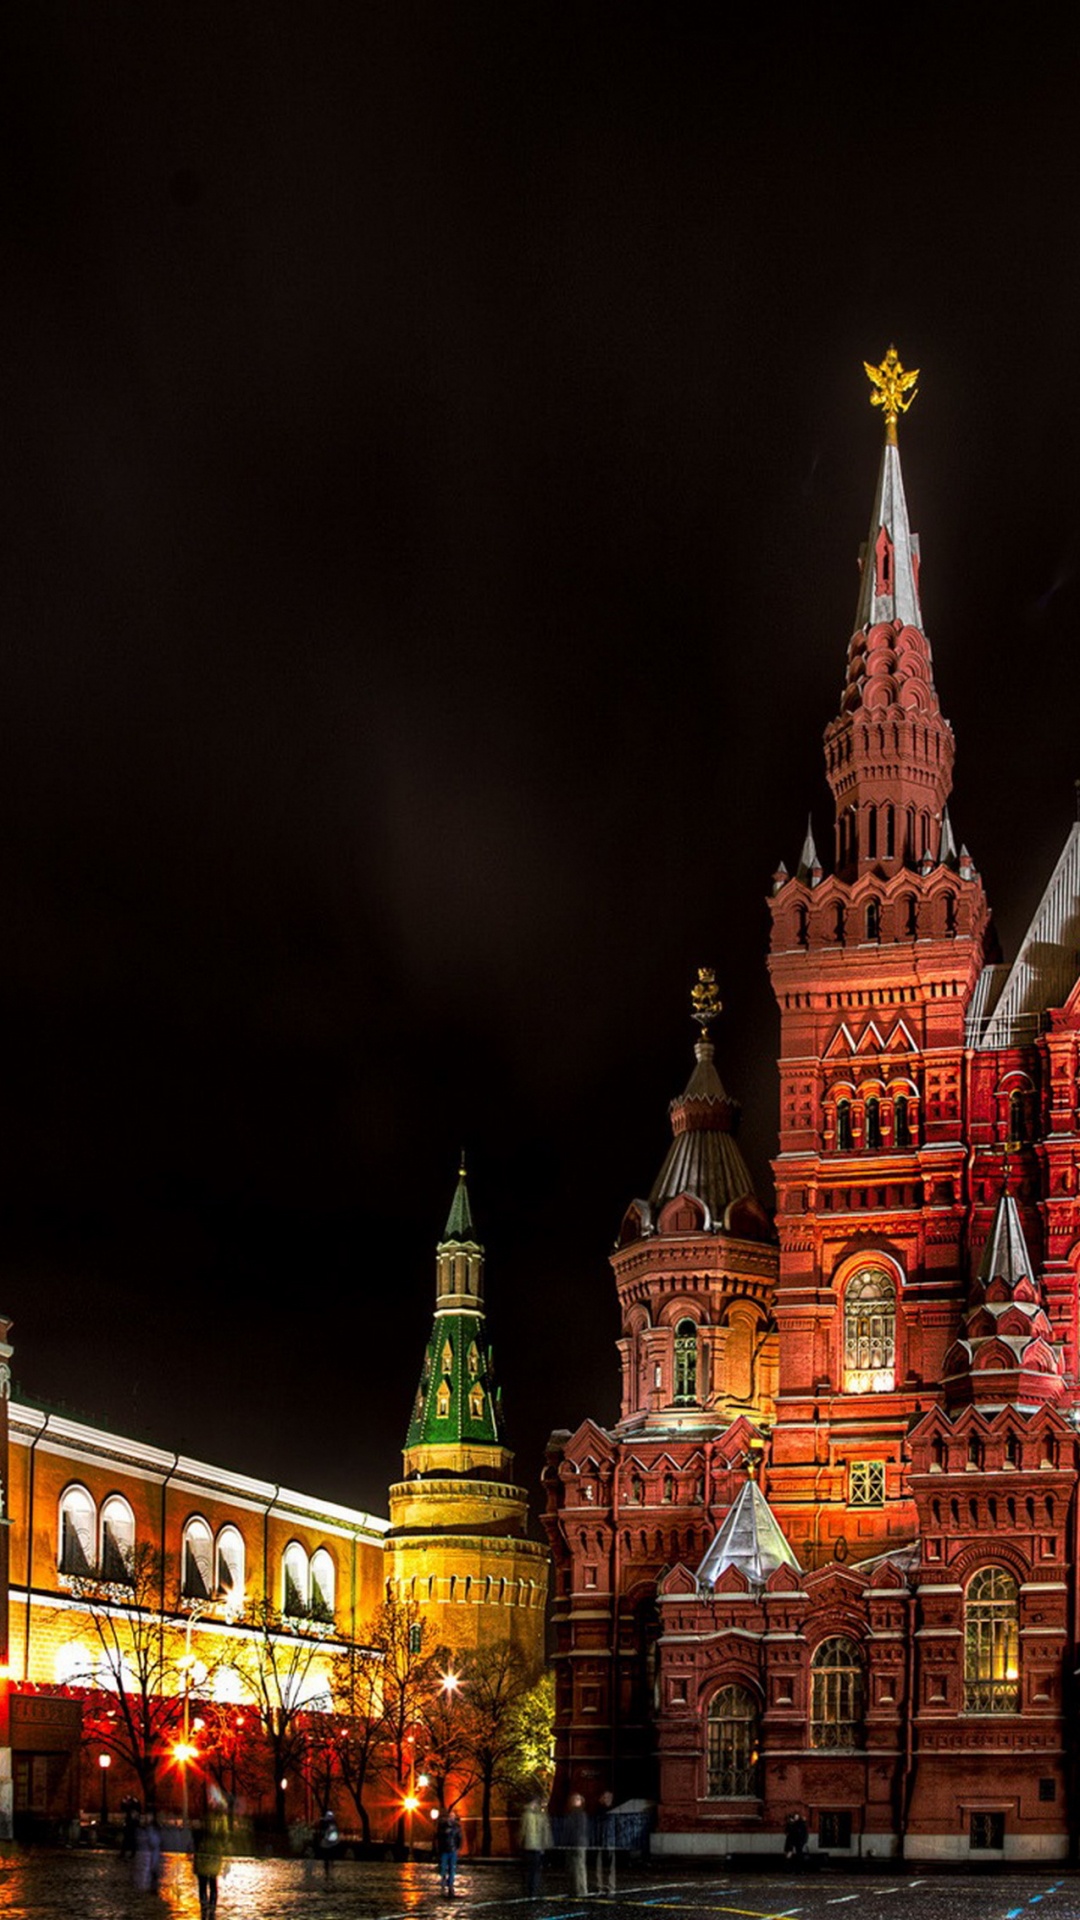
<point>894,390</point>
<point>705,999</point>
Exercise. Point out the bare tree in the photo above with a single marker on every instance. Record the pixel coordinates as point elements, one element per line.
<point>402,1638</point>
<point>355,1730</point>
<point>499,1706</point>
<point>278,1667</point>
<point>135,1707</point>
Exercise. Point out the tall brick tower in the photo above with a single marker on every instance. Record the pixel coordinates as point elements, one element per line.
<point>874,968</point>
<point>458,1542</point>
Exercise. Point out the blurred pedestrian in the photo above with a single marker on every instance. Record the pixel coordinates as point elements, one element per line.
<point>535,1838</point>
<point>447,1846</point>
<point>606,1832</point>
<point>577,1843</point>
<point>148,1854</point>
<point>211,1842</point>
<point>796,1835</point>
<point>326,1840</point>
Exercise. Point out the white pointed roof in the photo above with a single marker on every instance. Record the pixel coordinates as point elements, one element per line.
<point>750,1539</point>
<point>1046,968</point>
<point>890,511</point>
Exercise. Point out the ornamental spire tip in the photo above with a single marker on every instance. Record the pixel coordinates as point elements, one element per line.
<point>705,999</point>
<point>894,390</point>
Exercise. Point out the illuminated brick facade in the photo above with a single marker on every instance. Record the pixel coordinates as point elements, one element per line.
<point>883,1635</point>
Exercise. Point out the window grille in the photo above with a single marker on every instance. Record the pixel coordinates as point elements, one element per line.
<point>866,1483</point>
<point>870,1332</point>
<point>992,1643</point>
<point>834,1828</point>
<point>685,1362</point>
<point>837,1694</point>
<point>732,1745</point>
<point>987,1831</point>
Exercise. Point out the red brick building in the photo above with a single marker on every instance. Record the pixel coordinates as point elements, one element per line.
<point>881,1633</point>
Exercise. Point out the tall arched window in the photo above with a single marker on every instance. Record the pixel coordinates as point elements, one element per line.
<point>117,1541</point>
<point>873,1125</point>
<point>78,1527</point>
<point>837,1694</point>
<point>322,1585</point>
<point>992,1642</point>
<point>685,1362</point>
<point>843,1126</point>
<point>294,1581</point>
<point>732,1744</point>
<point>870,1332</point>
<point>901,1121</point>
<point>230,1565</point>
<point>197,1576</point>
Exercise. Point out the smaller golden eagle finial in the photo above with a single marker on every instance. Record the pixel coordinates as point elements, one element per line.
<point>894,390</point>
<point>705,999</point>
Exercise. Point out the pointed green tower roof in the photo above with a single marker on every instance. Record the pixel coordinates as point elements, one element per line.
<point>456,1424</point>
<point>459,1222</point>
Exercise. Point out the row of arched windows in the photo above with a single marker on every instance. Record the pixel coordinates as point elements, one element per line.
<point>838,1687</point>
<point>885,1123</point>
<point>101,1546</point>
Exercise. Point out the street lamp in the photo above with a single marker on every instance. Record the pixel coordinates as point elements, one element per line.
<point>184,1752</point>
<point>104,1762</point>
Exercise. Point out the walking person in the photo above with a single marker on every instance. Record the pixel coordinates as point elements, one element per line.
<point>535,1838</point>
<point>211,1840</point>
<point>577,1842</point>
<point>606,1834</point>
<point>447,1846</point>
<point>796,1835</point>
<point>326,1840</point>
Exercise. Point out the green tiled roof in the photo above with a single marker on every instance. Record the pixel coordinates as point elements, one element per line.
<point>459,1225</point>
<point>457,1399</point>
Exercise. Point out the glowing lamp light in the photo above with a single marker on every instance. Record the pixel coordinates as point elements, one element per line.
<point>410,1803</point>
<point>183,1752</point>
<point>104,1759</point>
<point>421,1780</point>
<point>450,1682</point>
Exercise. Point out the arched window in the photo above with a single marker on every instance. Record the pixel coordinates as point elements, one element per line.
<point>871,834</point>
<point>739,1357</point>
<point>873,920</point>
<point>230,1565</point>
<point>992,1642</point>
<point>322,1585</point>
<point>197,1575</point>
<point>685,1362</point>
<point>117,1541</point>
<point>294,1581</point>
<point>843,1126</point>
<point>1017,1118</point>
<point>78,1527</point>
<point>837,1694</point>
<point>873,1125</point>
<point>901,1121</point>
<point>890,832</point>
<point>870,1332</point>
<point>732,1745</point>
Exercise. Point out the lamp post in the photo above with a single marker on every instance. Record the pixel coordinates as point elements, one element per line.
<point>104,1762</point>
<point>184,1751</point>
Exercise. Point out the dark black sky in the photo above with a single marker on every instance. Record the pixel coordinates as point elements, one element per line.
<point>434,455</point>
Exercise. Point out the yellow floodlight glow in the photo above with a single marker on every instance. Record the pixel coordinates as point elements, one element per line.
<point>184,1752</point>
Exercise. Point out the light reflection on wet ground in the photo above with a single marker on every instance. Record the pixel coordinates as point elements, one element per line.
<point>44,1885</point>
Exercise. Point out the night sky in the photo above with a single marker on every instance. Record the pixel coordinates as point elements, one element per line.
<point>435,451</point>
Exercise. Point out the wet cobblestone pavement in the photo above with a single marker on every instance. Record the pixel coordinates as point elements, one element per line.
<point>42,1885</point>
